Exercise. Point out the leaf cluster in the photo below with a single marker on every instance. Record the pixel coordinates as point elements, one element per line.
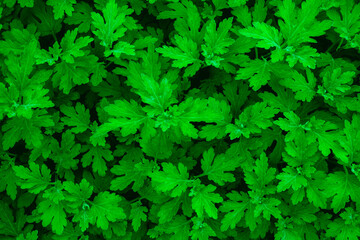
<point>179,119</point>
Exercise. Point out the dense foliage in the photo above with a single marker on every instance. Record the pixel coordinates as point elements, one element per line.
<point>179,119</point>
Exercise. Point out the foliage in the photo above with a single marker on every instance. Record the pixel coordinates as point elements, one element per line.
<point>179,119</point>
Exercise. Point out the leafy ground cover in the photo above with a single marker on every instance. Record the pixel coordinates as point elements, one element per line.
<point>179,119</point>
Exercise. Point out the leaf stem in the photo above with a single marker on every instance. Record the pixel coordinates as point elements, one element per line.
<point>346,171</point>
<point>200,175</point>
<point>108,64</point>
<point>341,42</point>
<point>136,199</point>
<point>54,36</point>
<point>331,47</point>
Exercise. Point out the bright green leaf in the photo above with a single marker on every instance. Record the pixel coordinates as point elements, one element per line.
<point>204,200</point>
<point>105,208</point>
<point>98,157</point>
<point>137,215</point>
<point>34,178</point>
<point>268,35</point>
<point>61,7</point>
<point>77,117</point>
<point>171,179</point>
<point>131,171</point>
<point>108,28</point>
<point>217,168</point>
<point>304,88</point>
<point>342,186</point>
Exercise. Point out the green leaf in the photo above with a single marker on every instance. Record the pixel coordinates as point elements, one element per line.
<point>261,175</point>
<point>26,3</point>
<point>8,96</point>
<point>121,48</point>
<point>158,94</point>
<point>131,171</point>
<point>22,65</point>
<point>105,208</point>
<point>300,25</point>
<point>65,154</point>
<point>204,200</point>
<point>52,209</point>
<point>33,178</point>
<point>8,225</point>
<point>185,54</point>
<point>29,236</point>
<point>256,71</point>
<point>201,230</point>
<point>108,28</point>
<point>98,157</point>
<point>252,120</point>
<point>290,178</point>
<point>45,22</point>
<point>169,210</point>
<point>78,197</point>
<point>61,7</point>
<point>137,215</point>
<point>242,13</point>
<point>8,178</point>
<point>217,168</point>
<point>292,125</point>
<point>286,230</point>
<point>345,227</point>
<point>67,75</point>
<point>236,3</point>
<point>260,11</point>
<point>177,229</point>
<point>83,217</point>
<point>342,186</point>
<point>268,35</point>
<point>128,116</point>
<point>304,55</point>
<point>78,194</point>
<point>314,189</point>
<point>50,57</point>
<point>282,98</point>
<point>217,41</point>
<point>33,98</point>
<point>351,141</point>
<point>338,82</point>
<point>217,131</point>
<point>186,14</point>
<point>299,152</point>
<point>328,136</point>
<point>17,41</point>
<point>236,93</point>
<point>192,110</point>
<point>146,80</point>
<point>268,207</point>
<point>171,179</point>
<point>98,73</point>
<point>77,117</point>
<point>346,24</point>
<point>235,209</point>
<point>304,88</point>
<point>32,95</point>
<point>71,47</point>
<point>159,146</point>
<point>80,17</point>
